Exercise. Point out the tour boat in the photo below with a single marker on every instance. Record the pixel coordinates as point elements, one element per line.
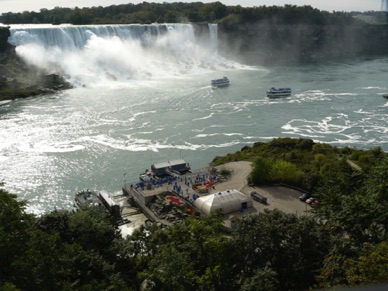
<point>222,82</point>
<point>102,199</point>
<point>87,198</point>
<point>278,92</point>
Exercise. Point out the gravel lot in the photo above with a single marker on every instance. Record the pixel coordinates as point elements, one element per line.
<point>278,197</point>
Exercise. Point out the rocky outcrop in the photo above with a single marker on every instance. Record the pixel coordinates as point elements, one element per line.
<point>18,80</point>
<point>4,34</point>
<point>265,44</point>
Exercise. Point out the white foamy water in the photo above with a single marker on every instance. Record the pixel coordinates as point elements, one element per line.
<point>92,55</point>
<point>141,100</point>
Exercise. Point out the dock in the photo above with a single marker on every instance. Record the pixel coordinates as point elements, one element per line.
<point>145,192</point>
<point>140,199</point>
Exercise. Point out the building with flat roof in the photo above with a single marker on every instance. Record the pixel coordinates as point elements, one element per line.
<point>161,169</point>
<point>110,204</point>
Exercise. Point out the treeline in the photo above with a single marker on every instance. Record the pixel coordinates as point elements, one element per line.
<point>178,12</point>
<point>344,241</point>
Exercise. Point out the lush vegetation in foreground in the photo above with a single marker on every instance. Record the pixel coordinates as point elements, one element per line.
<point>343,242</point>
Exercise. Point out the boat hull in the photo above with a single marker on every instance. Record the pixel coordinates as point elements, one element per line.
<point>221,85</point>
<point>278,96</point>
<point>223,82</point>
<point>278,92</point>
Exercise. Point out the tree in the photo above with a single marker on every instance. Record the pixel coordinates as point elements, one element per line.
<point>289,246</point>
<point>360,214</point>
<point>14,233</point>
<point>263,280</point>
<point>78,16</point>
<point>286,172</point>
<point>359,224</point>
<point>192,255</point>
<point>93,229</point>
<point>261,171</point>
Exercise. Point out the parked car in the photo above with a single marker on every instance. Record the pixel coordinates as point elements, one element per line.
<point>304,197</point>
<point>312,201</point>
<point>258,197</point>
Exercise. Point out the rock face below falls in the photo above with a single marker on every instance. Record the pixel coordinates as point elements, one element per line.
<point>271,44</point>
<point>17,79</point>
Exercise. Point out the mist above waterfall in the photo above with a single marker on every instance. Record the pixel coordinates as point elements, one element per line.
<point>92,55</point>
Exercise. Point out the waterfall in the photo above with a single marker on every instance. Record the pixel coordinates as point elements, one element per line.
<point>213,31</point>
<point>91,54</point>
<point>76,37</point>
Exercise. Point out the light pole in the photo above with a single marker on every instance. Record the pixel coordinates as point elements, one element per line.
<point>125,182</point>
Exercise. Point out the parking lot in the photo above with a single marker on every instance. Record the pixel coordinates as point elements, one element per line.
<point>278,197</point>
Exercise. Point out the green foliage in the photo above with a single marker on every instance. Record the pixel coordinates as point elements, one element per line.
<point>351,266</point>
<point>371,265</point>
<point>181,12</point>
<point>367,158</point>
<point>78,16</point>
<point>291,247</point>
<point>92,229</point>
<point>191,256</point>
<point>14,225</point>
<point>304,164</point>
<point>261,171</point>
<point>225,172</point>
<point>359,221</point>
<point>286,172</point>
<point>360,212</point>
<point>263,280</point>
<point>60,251</point>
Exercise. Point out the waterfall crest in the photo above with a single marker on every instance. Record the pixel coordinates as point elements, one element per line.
<point>91,54</point>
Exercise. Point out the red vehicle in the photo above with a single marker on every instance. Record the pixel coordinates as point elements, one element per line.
<point>312,201</point>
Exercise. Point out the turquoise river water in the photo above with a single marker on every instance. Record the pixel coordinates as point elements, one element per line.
<point>107,130</point>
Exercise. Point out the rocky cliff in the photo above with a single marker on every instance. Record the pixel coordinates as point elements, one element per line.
<point>4,34</point>
<point>265,44</point>
<point>17,79</point>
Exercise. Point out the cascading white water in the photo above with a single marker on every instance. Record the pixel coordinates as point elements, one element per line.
<point>213,30</point>
<point>95,54</point>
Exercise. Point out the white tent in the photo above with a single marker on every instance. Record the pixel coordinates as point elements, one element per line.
<point>227,201</point>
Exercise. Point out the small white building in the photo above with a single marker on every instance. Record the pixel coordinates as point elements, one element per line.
<point>227,201</point>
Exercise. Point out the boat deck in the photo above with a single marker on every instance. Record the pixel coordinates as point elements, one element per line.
<point>86,198</point>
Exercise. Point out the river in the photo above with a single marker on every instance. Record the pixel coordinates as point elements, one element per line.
<point>133,105</point>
